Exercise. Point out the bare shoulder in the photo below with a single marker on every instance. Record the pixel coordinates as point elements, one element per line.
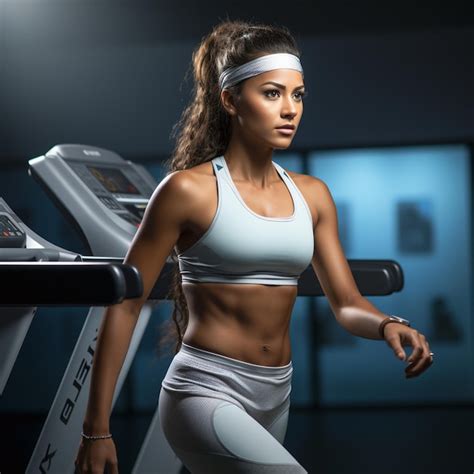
<point>314,190</point>
<point>306,180</point>
<point>198,182</point>
<point>182,193</point>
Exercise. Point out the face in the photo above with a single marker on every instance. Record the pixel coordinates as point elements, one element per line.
<point>267,101</point>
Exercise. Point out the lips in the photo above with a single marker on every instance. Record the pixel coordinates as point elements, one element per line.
<point>287,127</point>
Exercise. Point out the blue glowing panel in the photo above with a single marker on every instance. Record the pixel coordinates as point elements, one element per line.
<point>412,205</point>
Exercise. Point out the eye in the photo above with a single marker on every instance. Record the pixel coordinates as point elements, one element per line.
<point>269,91</point>
<point>302,94</point>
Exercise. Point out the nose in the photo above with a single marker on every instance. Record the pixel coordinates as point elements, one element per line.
<point>288,108</point>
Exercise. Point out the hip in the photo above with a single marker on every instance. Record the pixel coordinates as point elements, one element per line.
<point>256,388</point>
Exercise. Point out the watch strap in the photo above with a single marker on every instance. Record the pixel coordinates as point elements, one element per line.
<point>391,319</point>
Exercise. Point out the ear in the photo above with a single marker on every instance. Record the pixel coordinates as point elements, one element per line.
<point>228,102</point>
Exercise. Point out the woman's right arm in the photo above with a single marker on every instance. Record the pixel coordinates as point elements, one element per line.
<point>165,217</point>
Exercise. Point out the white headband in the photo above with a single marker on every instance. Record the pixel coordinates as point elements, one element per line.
<point>233,75</point>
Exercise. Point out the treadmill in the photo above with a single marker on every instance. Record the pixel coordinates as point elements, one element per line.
<point>35,272</point>
<point>104,197</point>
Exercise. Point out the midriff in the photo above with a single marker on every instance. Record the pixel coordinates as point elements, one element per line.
<point>248,322</point>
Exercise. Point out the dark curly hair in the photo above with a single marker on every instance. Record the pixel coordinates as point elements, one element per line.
<point>204,129</point>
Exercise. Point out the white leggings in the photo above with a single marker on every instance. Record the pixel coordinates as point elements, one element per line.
<point>224,415</point>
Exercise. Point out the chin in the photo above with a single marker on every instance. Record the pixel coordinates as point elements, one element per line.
<point>280,146</point>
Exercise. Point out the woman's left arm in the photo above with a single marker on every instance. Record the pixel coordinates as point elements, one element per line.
<point>352,311</point>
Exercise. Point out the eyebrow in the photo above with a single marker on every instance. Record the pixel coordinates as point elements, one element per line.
<point>281,86</point>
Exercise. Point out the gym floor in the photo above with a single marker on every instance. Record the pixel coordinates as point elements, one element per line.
<point>429,440</point>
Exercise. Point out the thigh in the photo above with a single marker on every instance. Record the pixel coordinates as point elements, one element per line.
<point>210,436</point>
<point>279,425</point>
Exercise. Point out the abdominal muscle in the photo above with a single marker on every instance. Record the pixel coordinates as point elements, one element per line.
<point>248,322</point>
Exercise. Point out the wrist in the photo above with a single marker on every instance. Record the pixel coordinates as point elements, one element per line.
<point>391,319</point>
<point>96,437</point>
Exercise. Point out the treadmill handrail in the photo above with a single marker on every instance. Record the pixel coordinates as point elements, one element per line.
<point>68,284</point>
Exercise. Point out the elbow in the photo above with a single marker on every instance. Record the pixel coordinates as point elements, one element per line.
<point>131,306</point>
<point>360,318</point>
<point>348,308</point>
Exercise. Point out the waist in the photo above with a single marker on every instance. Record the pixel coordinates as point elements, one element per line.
<point>257,389</point>
<point>249,350</point>
<point>230,362</point>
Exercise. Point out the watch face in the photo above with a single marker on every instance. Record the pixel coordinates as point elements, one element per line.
<point>404,321</point>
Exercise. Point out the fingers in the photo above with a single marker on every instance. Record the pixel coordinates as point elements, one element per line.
<point>97,458</point>
<point>111,466</point>
<point>394,342</point>
<point>418,347</point>
<point>420,358</point>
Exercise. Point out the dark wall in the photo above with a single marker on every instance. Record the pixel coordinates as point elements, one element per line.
<point>89,75</point>
<point>389,88</point>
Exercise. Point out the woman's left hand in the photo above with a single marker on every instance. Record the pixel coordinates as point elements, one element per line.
<point>397,335</point>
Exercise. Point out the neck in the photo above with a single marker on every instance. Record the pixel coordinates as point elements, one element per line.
<point>250,162</point>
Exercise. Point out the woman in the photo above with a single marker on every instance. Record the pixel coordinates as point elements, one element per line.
<point>243,230</point>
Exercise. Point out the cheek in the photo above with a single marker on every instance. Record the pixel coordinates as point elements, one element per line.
<point>261,114</point>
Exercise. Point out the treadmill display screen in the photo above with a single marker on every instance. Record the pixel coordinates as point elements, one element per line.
<point>113,180</point>
<point>7,227</point>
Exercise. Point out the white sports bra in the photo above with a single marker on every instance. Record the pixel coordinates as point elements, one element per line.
<point>241,246</point>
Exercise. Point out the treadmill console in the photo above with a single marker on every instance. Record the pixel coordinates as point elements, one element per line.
<point>11,234</point>
<point>118,186</point>
<point>103,195</point>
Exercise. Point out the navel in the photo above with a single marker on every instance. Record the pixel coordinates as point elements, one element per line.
<point>266,348</point>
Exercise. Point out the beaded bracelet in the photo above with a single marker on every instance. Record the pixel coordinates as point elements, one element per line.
<point>93,438</point>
